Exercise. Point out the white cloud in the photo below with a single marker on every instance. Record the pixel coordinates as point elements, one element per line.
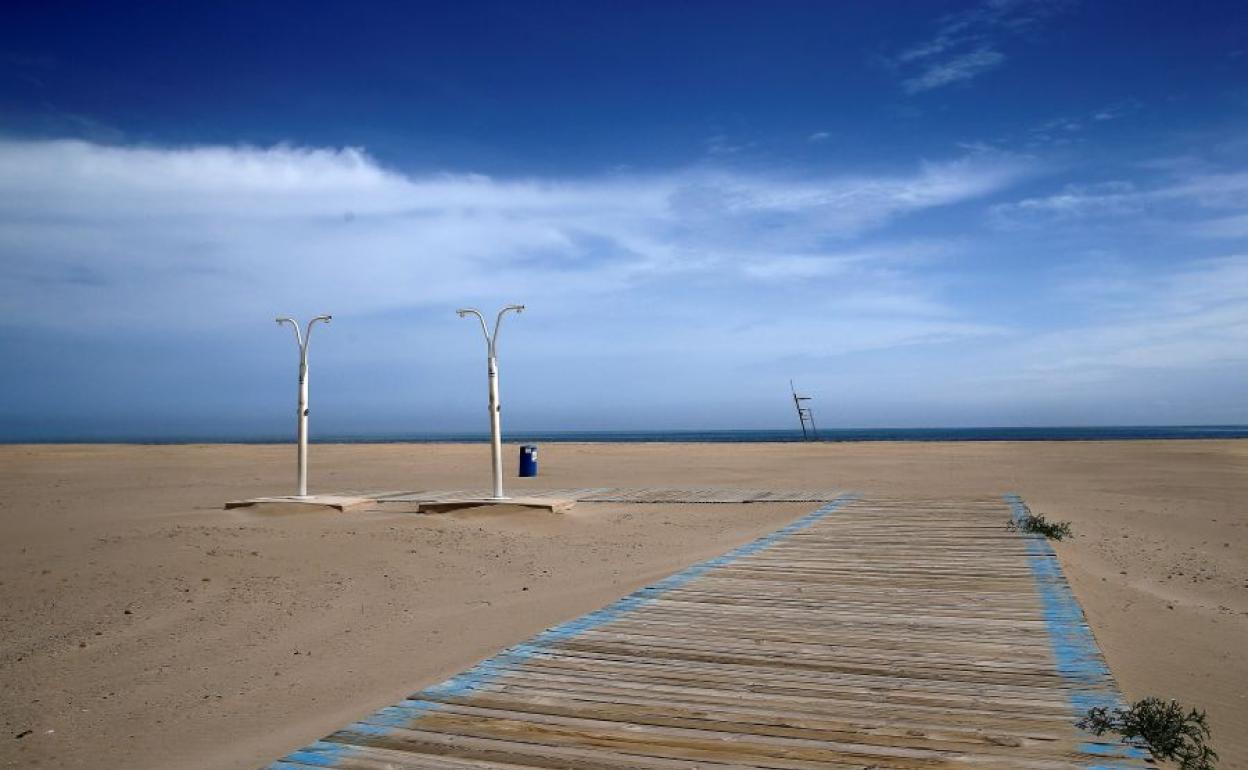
<point>721,144</point>
<point>962,67</point>
<point>881,261</point>
<point>1183,198</point>
<point>799,266</point>
<point>967,44</point>
<point>208,236</point>
<point>1235,226</point>
<point>1193,316</point>
<point>1075,201</point>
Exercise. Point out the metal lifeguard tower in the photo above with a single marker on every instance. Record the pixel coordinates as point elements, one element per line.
<point>804,415</point>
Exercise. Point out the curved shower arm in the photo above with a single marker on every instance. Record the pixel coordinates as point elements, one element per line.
<point>485,332</point>
<point>307,336</point>
<point>499,322</point>
<point>283,319</point>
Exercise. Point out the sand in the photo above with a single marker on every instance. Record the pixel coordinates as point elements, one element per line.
<point>141,626</point>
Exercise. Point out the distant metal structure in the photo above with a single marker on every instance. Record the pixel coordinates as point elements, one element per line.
<point>491,345</point>
<point>302,338</point>
<point>804,415</point>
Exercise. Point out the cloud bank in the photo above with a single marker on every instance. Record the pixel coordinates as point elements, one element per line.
<point>146,278</point>
<point>209,236</point>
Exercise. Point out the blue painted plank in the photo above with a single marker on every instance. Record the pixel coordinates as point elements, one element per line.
<point>1079,659</point>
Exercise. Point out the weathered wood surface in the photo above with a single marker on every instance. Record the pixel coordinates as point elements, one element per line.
<point>870,634</point>
<point>335,502</point>
<point>552,504</point>
<point>630,495</point>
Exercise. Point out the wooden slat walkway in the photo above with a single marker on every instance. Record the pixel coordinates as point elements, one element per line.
<point>678,495</point>
<point>869,634</point>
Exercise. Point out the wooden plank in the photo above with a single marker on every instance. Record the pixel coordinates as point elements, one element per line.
<point>859,636</point>
<point>552,504</point>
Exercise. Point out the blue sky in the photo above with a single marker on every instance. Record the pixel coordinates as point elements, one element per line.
<point>928,214</point>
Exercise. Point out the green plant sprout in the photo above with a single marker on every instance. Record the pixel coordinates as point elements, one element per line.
<point>1170,731</point>
<point>1038,525</point>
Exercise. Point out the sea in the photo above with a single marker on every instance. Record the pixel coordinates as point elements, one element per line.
<point>1110,433</point>
<point>1094,433</point>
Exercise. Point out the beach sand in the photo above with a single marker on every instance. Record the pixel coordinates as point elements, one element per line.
<point>141,626</point>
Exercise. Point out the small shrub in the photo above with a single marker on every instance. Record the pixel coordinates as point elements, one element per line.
<point>1038,525</point>
<point>1168,730</point>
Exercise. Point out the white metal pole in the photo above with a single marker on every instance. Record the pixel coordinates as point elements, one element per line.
<point>496,432</point>
<point>302,338</point>
<point>491,352</point>
<point>303,422</point>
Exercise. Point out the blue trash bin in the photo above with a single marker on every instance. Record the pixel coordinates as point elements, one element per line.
<point>528,460</point>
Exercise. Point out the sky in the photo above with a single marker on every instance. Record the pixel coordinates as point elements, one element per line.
<point>927,214</point>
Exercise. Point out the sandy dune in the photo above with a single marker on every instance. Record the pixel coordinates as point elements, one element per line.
<point>141,626</point>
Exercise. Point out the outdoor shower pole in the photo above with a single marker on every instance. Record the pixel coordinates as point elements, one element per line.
<point>496,429</point>
<point>491,349</point>
<point>302,338</point>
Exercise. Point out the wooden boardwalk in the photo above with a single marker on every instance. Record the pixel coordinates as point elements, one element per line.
<point>869,634</point>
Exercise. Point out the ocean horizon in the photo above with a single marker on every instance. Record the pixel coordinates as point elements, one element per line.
<point>830,435</point>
